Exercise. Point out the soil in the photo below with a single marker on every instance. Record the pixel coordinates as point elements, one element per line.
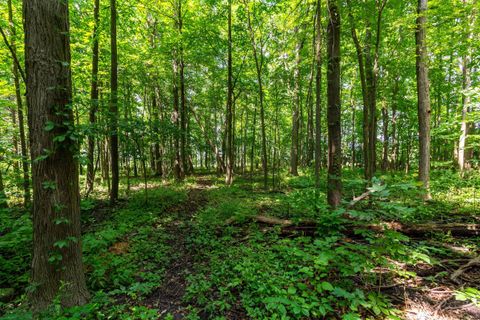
<point>168,297</point>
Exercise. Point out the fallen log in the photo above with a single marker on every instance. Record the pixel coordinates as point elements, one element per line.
<point>310,227</point>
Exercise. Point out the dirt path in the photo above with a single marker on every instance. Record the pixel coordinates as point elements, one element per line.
<point>168,297</point>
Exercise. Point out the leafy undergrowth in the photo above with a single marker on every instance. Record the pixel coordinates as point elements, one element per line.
<point>241,269</point>
<point>125,255</point>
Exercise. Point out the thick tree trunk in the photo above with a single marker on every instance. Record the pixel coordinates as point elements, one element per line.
<point>423,94</point>
<point>93,98</point>
<point>334,182</point>
<point>229,115</point>
<point>113,107</point>
<point>57,268</point>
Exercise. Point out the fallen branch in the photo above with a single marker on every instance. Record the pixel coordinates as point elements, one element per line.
<point>359,198</point>
<point>475,262</point>
<point>310,227</point>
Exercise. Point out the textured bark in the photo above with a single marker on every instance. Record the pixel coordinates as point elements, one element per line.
<point>229,115</point>
<point>423,94</point>
<point>334,182</point>
<point>57,267</point>
<point>318,93</point>
<point>18,96</point>
<point>93,98</point>
<point>113,107</point>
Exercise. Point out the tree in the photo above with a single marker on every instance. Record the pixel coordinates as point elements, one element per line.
<point>93,98</point>
<point>369,69</point>
<point>423,96</point>
<point>229,115</point>
<point>3,196</point>
<point>258,57</point>
<point>318,93</point>
<point>296,105</point>
<point>17,72</point>
<point>57,268</point>
<point>334,179</point>
<point>465,153</point>
<point>113,107</point>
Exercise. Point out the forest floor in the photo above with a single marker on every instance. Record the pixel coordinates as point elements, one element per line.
<point>195,250</point>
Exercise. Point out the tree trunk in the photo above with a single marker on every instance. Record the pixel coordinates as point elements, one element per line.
<point>334,182</point>
<point>352,106</point>
<point>21,121</point>
<point>385,120</point>
<point>464,153</point>
<point>3,196</point>
<point>318,93</point>
<point>229,116</point>
<point>259,66</point>
<point>252,153</point>
<point>113,108</point>
<point>93,98</point>
<point>57,268</point>
<point>296,108</point>
<point>423,94</point>
<point>183,108</point>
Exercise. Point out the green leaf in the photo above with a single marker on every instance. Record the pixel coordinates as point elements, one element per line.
<point>49,126</point>
<point>327,286</point>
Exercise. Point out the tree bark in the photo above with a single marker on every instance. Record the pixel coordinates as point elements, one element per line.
<point>385,121</point>
<point>318,93</point>
<point>296,108</point>
<point>334,182</point>
<point>183,103</point>
<point>259,66</point>
<point>368,69</point>
<point>464,153</point>
<point>3,196</point>
<point>93,98</point>
<point>229,115</point>
<point>113,107</point>
<point>57,268</point>
<point>423,94</point>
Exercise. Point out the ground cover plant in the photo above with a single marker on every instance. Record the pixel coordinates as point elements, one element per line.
<point>248,159</point>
